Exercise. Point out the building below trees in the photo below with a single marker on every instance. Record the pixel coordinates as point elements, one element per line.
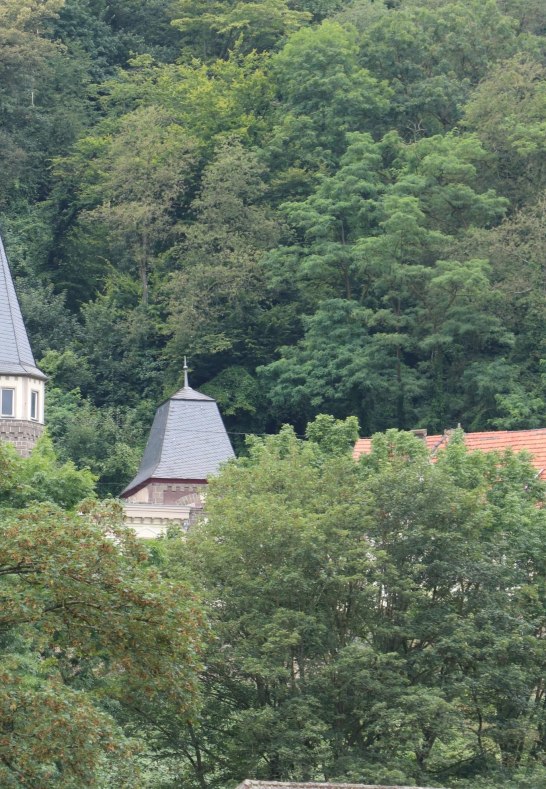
<point>187,444</point>
<point>531,441</point>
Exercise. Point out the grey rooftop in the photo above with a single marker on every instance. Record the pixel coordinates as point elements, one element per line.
<point>188,441</point>
<point>15,354</point>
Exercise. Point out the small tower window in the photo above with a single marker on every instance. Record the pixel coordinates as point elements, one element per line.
<point>34,405</point>
<point>7,402</point>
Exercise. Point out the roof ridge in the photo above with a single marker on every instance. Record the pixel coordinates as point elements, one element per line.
<point>188,393</point>
<point>506,432</point>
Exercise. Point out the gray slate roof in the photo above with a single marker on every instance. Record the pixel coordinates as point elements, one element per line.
<point>15,354</point>
<point>188,440</point>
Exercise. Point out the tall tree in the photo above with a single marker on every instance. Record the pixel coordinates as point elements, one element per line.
<point>376,233</point>
<point>143,173</point>
<point>41,111</point>
<point>376,621</point>
<point>323,93</point>
<point>517,253</point>
<point>217,296</point>
<point>507,112</point>
<point>87,626</point>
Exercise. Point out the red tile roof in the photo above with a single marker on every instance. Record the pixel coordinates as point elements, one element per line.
<point>532,441</point>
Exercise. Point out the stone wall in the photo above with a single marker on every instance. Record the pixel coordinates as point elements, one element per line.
<point>170,493</point>
<point>21,433</point>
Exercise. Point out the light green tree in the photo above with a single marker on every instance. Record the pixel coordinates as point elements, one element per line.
<point>373,621</point>
<point>211,30</point>
<point>143,172</point>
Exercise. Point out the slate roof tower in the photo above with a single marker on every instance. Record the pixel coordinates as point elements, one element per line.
<point>188,442</point>
<point>22,384</point>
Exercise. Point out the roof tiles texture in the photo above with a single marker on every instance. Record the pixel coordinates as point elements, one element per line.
<point>531,441</point>
<point>15,353</point>
<point>188,440</point>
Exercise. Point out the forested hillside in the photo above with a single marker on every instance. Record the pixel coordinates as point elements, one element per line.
<point>327,205</point>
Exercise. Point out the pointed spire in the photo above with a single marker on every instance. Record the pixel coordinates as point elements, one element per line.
<point>187,393</point>
<point>15,353</point>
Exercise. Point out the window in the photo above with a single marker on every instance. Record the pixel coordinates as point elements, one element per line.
<point>7,402</point>
<point>34,405</point>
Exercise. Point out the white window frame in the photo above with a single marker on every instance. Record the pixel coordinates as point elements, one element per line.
<point>35,400</point>
<point>7,389</point>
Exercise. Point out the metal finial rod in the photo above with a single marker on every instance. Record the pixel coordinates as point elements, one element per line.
<point>186,384</point>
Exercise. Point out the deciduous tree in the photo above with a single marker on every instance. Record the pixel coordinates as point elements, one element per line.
<point>86,624</point>
<point>376,621</point>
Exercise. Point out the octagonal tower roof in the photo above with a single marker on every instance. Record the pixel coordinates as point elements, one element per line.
<point>187,442</point>
<point>16,356</point>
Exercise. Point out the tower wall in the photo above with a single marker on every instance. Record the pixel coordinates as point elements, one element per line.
<point>170,493</point>
<point>23,386</point>
<point>20,428</point>
<point>22,433</point>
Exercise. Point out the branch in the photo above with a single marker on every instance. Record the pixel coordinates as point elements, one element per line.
<point>22,781</point>
<point>23,568</point>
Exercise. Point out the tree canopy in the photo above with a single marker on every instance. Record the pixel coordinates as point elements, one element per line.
<point>378,621</point>
<point>305,195</point>
<point>88,628</point>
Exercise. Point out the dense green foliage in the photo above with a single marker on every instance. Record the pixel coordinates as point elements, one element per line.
<point>327,205</point>
<point>89,629</point>
<point>379,622</point>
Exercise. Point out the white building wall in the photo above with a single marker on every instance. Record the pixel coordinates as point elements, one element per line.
<point>23,386</point>
<point>150,521</point>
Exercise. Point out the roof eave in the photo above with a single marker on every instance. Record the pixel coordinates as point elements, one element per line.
<point>130,489</point>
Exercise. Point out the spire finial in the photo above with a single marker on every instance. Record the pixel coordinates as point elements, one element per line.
<point>186,384</point>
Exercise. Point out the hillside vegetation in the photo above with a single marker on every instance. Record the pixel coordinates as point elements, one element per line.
<point>327,205</point>
<point>330,207</point>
